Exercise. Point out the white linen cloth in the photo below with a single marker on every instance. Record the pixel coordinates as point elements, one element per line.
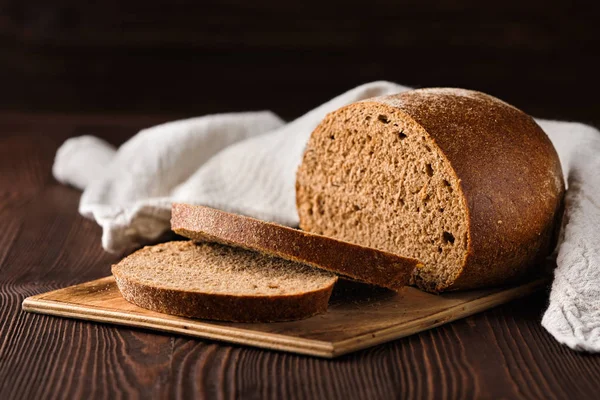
<point>246,163</point>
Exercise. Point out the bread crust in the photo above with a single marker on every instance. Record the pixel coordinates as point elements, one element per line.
<point>218,306</point>
<point>509,174</point>
<point>357,262</point>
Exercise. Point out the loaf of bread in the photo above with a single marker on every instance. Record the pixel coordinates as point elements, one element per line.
<point>360,263</point>
<point>212,281</point>
<point>464,182</point>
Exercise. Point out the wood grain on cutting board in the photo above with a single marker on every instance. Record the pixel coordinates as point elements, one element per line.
<point>358,317</point>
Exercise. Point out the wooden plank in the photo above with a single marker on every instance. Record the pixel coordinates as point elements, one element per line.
<point>353,321</point>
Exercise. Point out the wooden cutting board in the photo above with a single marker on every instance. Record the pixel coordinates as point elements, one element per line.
<point>359,316</point>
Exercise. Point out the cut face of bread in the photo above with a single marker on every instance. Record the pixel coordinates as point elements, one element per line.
<point>373,177</point>
<point>212,281</point>
<point>360,263</point>
<point>457,179</point>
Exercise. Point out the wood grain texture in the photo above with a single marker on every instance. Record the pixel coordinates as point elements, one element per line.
<point>358,317</point>
<point>45,245</point>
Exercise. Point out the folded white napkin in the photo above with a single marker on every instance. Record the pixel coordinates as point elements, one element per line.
<point>246,163</point>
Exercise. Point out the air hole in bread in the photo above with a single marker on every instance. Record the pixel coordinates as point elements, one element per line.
<point>448,237</point>
<point>429,170</point>
<point>383,118</point>
<point>319,205</point>
<point>448,185</point>
<point>332,137</point>
<point>402,135</point>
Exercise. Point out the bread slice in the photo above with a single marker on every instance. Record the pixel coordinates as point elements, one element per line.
<point>460,180</point>
<point>212,281</point>
<point>357,262</point>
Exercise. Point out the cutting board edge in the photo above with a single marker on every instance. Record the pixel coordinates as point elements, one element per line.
<point>37,304</point>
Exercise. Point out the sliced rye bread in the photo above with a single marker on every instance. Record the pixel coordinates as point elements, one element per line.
<point>353,261</point>
<point>212,281</point>
<point>460,180</point>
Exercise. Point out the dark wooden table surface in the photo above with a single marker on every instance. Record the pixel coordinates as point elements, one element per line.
<point>45,245</point>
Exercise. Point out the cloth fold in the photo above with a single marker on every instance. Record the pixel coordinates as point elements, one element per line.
<point>573,315</point>
<point>246,163</point>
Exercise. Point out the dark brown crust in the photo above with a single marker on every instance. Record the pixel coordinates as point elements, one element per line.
<point>223,307</point>
<point>509,173</point>
<point>360,263</point>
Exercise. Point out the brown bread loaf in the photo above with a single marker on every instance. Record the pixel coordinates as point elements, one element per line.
<point>464,182</point>
<point>212,281</point>
<point>357,262</point>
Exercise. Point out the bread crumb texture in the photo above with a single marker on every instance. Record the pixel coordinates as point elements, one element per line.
<point>219,269</point>
<point>457,179</point>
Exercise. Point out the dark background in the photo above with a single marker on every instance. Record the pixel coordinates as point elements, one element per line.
<point>184,58</point>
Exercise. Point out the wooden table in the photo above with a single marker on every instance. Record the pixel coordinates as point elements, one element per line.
<point>45,244</point>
